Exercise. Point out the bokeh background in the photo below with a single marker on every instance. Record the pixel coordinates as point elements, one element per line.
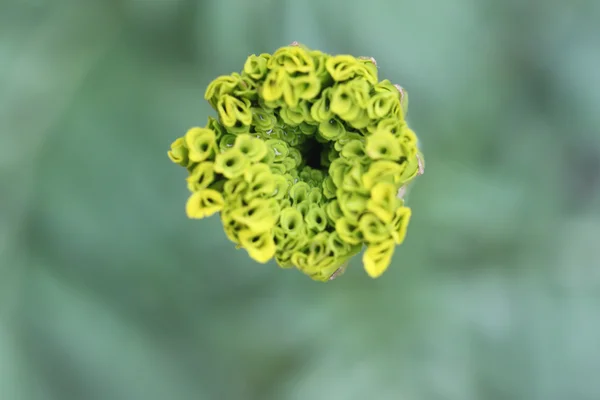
<point>107,291</point>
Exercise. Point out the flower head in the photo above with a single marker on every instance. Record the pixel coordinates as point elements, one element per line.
<point>305,162</point>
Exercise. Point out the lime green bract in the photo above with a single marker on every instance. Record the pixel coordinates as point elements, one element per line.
<point>305,161</point>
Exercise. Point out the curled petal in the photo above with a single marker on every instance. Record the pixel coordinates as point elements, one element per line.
<point>295,155</point>
<point>260,246</point>
<point>226,142</point>
<point>272,89</point>
<point>332,129</point>
<point>400,224</point>
<point>383,171</point>
<point>321,109</point>
<point>377,258</point>
<point>334,211</point>
<point>234,189</point>
<point>361,121</point>
<point>373,229</point>
<point>315,196</point>
<point>343,67</point>
<point>291,221</point>
<point>260,215</point>
<point>307,86</point>
<point>329,188</point>
<point>201,176</point>
<point>352,181</point>
<point>281,187</point>
<point>353,204</point>
<point>383,201</point>
<point>390,125</point>
<point>246,89</point>
<point>383,146</point>
<point>307,126</point>
<point>354,150</point>
<point>204,203</point>
<point>234,113</point>
<point>260,181</point>
<point>179,152</point>
<point>201,143</point>
<point>316,219</point>
<point>292,60</point>
<point>253,148</point>
<point>382,104</point>
<point>338,169</point>
<point>256,66</point>
<point>219,87</point>
<point>231,163</point>
<point>299,192</point>
<point>292,116</point>
<point>344,103</point>
<point>278,148</point>
<point>263,120</point>
<point>348,231</point>
<point>320,60</point>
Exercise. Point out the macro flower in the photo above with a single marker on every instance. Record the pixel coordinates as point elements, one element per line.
<point>306,163</point>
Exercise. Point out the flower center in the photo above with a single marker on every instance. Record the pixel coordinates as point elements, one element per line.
<point>313,153</point>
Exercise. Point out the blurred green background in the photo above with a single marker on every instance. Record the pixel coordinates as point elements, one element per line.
<point>107,291</point>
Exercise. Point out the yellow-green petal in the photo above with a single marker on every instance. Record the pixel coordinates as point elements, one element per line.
<point>204,203</point>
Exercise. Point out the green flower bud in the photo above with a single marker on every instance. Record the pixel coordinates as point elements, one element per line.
<point>305,162</point>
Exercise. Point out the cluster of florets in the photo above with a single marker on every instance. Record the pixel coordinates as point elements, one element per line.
<point>305,161</point>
